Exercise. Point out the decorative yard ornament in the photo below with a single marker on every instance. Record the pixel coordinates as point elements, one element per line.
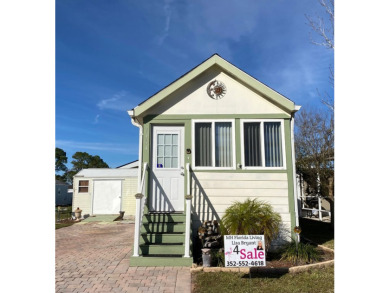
<point>216,89</point>
<point>297,229</point>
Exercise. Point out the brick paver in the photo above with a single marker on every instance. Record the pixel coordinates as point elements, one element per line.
<point>95,257</point>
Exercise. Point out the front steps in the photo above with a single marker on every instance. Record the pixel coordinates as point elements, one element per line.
<point>162,238</point>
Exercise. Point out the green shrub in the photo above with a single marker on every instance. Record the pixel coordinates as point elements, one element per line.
<point>218,258</point>
<point>252,217</point>
<point>307,253</point>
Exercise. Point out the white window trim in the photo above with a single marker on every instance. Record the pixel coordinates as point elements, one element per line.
<point>171,130</point>
<point>261,121</point>
<point>212,121</point>
<point>83,186</point>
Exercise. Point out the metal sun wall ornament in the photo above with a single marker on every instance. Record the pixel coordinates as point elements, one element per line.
<point>216,89</point>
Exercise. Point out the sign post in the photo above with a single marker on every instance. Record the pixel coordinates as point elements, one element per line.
<point>244,251</point>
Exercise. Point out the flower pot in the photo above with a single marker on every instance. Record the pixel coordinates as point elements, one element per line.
<point>77,213</point>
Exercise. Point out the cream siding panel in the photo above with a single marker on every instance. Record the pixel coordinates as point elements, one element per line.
<point>128,196</point>
<point>254,192</point>
<point>193,99</point>
<point>285,218</point>
<point>241,176</point>
<point>214,184</point>
<point>213,193</point>
<point>227,201</point>
<point>84,200</point>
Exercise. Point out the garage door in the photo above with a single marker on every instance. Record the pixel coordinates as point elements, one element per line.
<point>107,197</point>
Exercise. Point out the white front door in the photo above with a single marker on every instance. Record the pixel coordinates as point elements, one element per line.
<point>106,197</point>
<point>167,169</point>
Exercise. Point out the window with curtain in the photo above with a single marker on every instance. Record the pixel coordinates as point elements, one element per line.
<point>262,144</point>
<point>213,144</point>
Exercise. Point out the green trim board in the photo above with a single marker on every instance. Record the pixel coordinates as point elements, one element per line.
<point>229,69</point>
<point>290,179</point>
<point>174,118</point>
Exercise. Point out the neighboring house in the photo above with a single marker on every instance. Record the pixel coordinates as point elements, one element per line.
<point>131,165</point>
<point>100,191</point>
<point>214,136</point>
<point>310,203</point>
<point>63,197</point>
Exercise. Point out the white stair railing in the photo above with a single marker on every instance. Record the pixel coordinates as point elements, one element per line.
<point>188,213</point>
<point>139,210</point>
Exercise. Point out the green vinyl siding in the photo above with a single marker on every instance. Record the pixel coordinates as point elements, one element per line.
<point>178,120</point>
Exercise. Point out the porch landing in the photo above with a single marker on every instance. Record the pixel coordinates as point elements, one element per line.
<point>152,261</point>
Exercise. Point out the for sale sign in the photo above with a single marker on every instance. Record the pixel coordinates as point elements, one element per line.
<point>244,250</point>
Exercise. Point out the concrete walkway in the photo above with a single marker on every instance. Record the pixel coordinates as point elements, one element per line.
<point>95,257</point>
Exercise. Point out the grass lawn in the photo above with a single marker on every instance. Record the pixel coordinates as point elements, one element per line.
<point>315,280</point>
<point>62,225</point>
<point>61,216</point>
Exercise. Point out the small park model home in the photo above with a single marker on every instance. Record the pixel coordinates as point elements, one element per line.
<point>214,136</point>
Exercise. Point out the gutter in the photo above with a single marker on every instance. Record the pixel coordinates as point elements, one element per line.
<point>136,123</point>
<point>296,109</point>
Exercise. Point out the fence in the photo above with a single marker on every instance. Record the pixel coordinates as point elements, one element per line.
<point>62,213</point>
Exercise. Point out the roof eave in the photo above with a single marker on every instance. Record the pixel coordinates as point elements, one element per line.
<point>271,94</point>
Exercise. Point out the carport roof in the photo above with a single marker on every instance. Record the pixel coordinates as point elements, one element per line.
<point>107,173</point>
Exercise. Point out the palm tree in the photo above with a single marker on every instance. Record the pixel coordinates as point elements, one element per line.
<point>252,217</point>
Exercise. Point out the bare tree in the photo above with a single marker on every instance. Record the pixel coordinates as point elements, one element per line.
<point>324,30</point>
<point>314,148</point>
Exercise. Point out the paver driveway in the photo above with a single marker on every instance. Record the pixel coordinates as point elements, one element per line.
<point>95,256</point>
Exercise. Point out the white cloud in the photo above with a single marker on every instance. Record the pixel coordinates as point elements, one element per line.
<point>120,101</point>
<point>96,121</point>
<point>168,14</point>
<point>129,149</point>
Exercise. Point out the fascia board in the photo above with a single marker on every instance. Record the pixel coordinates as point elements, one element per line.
<point>257,85</point>
<point>274,96</point>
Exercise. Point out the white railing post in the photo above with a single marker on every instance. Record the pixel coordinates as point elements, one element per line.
<point>320,208</point>
<point>138,211</point>
<point>188,214</point>
<point>137,226</point>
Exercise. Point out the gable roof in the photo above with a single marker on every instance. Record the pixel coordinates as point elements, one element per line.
<point>131,165</point>
<point>107,172</point>
<point>226,66</point>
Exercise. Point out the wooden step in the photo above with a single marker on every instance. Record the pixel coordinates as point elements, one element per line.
<point>163,227</point>
<point>160,238</point>
<point>164,218</point>
<point>161,249</point>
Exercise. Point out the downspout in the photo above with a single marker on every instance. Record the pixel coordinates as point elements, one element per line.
<point>140,145</point>
<point>294,169</point>
<point>139,189</point>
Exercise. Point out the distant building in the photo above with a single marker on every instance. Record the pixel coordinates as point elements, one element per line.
<point>63,196</point>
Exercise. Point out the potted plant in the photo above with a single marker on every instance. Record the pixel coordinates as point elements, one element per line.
<point>77,213</point>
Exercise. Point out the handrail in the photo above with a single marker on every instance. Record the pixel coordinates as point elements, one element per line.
<point>139,210</point>
<point>141,187</point>
<point>188,213</point>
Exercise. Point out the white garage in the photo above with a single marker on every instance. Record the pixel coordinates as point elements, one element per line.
<point>107,197</point>
<point>105,191</point>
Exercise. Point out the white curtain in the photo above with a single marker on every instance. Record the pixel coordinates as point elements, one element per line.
<point>223,144</point>
<point>273,144</point>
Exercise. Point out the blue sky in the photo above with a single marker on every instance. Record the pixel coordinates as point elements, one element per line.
<point>112,55</point>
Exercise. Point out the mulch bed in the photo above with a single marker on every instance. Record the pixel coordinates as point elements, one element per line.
<point>273,261</point>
